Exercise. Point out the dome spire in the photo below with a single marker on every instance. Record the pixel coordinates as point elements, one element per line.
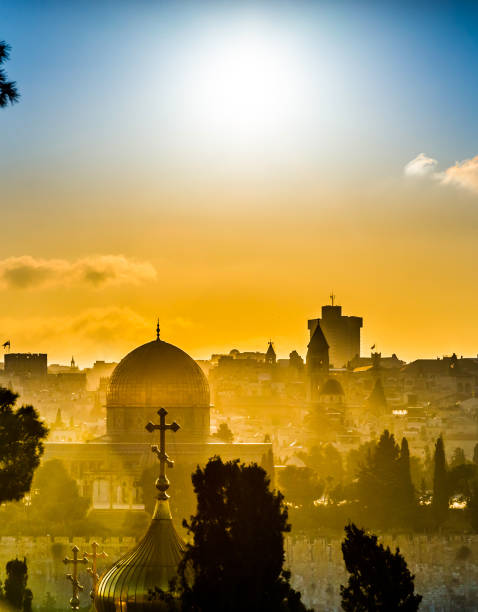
<point>157,330</point>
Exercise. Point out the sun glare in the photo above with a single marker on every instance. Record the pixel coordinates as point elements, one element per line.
<point>245,87</point>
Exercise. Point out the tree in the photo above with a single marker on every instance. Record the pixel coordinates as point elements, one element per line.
<point>379,579</point>
<point>440,483</point>
<point>8,89</point>
<point>237,554</point>
<point>16,582</point>
<point>300,485</point>
<point>379,481</point>
<point>458,458</point>
<point>326,460</point>
<point>58,501</point>
<point>475,454</point>
<point>27,600</point>
<point>224,433</point>
<point>21,446</point>
<point>406,500</point>
<point>356,457</point>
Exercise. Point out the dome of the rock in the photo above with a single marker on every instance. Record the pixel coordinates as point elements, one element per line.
<point>152,376</point>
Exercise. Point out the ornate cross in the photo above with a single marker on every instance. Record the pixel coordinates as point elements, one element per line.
<point>92,571</point>
<point>162,483</point>
<point>76,586</point>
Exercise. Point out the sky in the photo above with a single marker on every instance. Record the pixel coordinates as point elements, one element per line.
<point>225,166</point>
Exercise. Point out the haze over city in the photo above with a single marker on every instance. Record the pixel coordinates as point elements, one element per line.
<point>238,240</point>
<point>226,166</point>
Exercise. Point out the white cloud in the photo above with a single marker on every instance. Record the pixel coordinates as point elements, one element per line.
<point>422,165</point>
<point>97,271</point>
<point>463,174</point>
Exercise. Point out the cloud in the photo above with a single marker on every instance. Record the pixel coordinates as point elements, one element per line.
<point>422,165</point>
<point>463,174</point>
<point>27,272</point>
<point>95,333</point>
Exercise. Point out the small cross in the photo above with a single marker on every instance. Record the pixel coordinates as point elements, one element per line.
<point>162,483</point>
<point>92,571</point>
<point>76,586</point>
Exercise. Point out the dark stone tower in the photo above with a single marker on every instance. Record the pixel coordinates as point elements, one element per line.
<point>317,362</point>
<point>270,354</point>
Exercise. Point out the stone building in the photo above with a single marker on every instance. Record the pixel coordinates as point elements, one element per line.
<point>155,375</point>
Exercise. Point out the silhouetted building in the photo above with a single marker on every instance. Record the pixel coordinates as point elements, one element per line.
<point>270,354</point>
<point>155,375</point>
<point>317,362</point>
<point>342,334</point>
<point>26,365</point>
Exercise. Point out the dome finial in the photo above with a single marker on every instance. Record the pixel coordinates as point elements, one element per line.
<point>157,330</point>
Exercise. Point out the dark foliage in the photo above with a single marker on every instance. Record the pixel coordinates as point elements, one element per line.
<point>224,433</point>
<point>379,579</point>
<point>384,483</point>
<point>235,561</point>
<point>8,89</point>
<point>21,446</point>
<point>301,485</point>
<point>16,582</point>
<point>58,501</point>
<point>441,494</point>
<point>27,601</point>
<point>406,490</point>
<point>475,454</point>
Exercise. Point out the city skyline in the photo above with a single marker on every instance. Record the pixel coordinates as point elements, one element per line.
<point>224,166</point>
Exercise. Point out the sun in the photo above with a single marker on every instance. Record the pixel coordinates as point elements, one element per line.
<point>244,87</point>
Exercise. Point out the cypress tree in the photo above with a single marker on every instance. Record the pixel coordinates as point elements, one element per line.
<point>440,483</point>
<point>475,454</point>
<point>16,582</point>
<point>379,482</point>
<point>407,491</point>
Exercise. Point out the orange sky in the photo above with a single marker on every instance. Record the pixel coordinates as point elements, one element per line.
<point>237,270</point>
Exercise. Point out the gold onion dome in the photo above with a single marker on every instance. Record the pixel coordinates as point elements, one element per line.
<point>130,583</point>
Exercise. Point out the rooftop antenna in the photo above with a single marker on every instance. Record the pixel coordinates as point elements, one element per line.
<point>332,298</point>
<point>157,330</point>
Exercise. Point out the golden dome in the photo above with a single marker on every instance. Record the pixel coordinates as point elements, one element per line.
<point>129,583</point>
<point>158,374</point>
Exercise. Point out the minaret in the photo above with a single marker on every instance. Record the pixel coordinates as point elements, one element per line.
<point>271,354</point>
<point>317,362</point>
<point>153,563</point>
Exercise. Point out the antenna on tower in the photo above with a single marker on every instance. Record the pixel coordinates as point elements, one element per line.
<point>332,298</point>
